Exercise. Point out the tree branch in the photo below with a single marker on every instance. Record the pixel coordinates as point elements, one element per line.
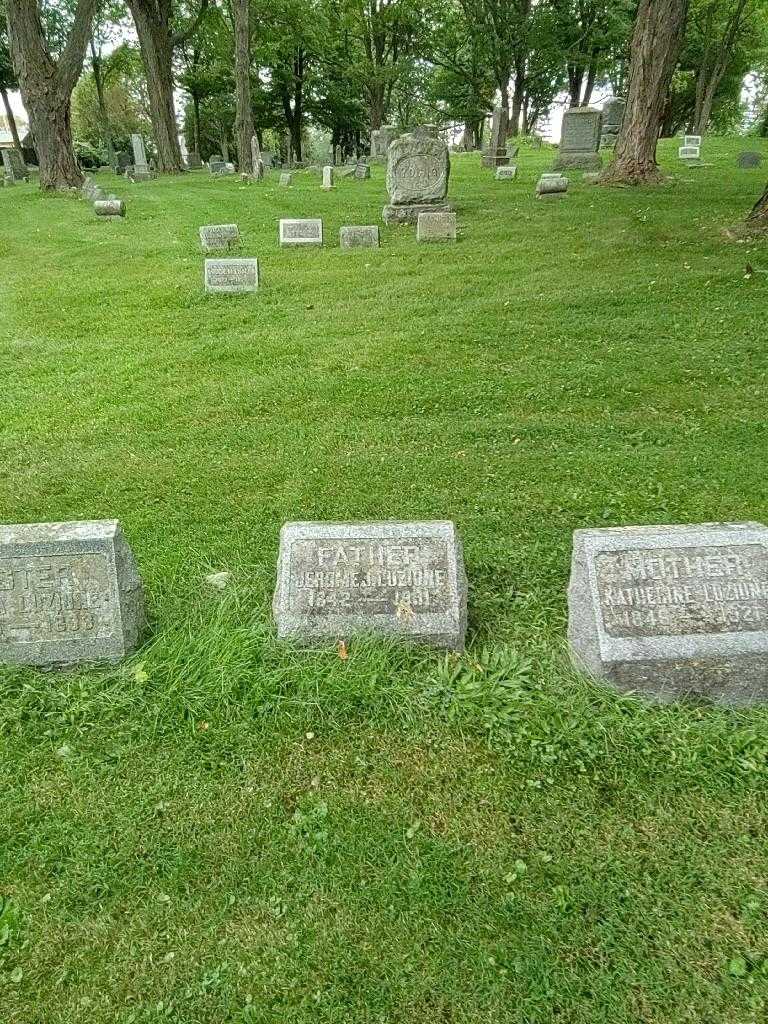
<point>181,37</point>
<point>70,64</point>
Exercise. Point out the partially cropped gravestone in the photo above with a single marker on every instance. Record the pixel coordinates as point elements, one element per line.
<point>670,611</point>
<point>359,236</point>
<point>231,276</point>
<point>336,580</point>
<point>418,169</point>
<point>580,140</point>
<point>214,237</point>
<point>109,209</point>
<point>436,227</point>
<point>308,231</point>
<point>69,593</point>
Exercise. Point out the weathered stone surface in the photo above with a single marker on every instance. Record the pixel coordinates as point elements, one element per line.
<point>347,171</point>
<point>218,236</point>
<point>327,177</point>
<point>69,593</point>
<point>613,115</point>
<point>194,163</point>
<point>692,140</point>
<point>362,171</point>
<point>111,209</point>
<point>496,153</point>
<point>381,139</point>
<point>141,168</point>
<point>580,140</point>
<point>749,159</point>
<point>506,173</point>
<point>418,169</point>
<point>436,227</point>
<point>428,131</point>
<point>301,232</point>
<point>359,236</point>
<point>335,580</point>
<point>671,611</point>
<point>231,276</point>
<point>216,166</point>
<point>689,152</point>
<point>286,179</point>
<point>551,185</point>
<point>255,151</point>
<point>13,163</point>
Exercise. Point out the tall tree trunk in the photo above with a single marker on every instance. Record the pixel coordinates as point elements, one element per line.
<point>196,122</point>
<point>518,96</point>
<point>590,84</point>
<point>46,86</point>
<point>758,216</point>
<point>98,80</point>
<point>656,40</point>
<point>243,115</point>
<point>152,22</point>
<point>10,118</point>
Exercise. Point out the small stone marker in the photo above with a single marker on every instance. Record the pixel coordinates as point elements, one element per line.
<point>216,166</point>
<point>141,169</point>
<point>673,610</point>
<point>749,159</point>
<point>109,209</point>
<point>301,232</point>
<point>359,236</point>
<point>590,178</point>
<point>335,580</point>
<point>286,179</point>
<point>506,173</point>
<point>218,236</point>
<point>689,152</point>
<point>418,169</point>
<point>436,227</point>
<point>580,140</point>
<point>327,177</point>
<point>362,171</point>
<point>551,185</point>
<point>194,163</point>
<point>692,140</point>
<point>69,593</point>
<point>231,276</point>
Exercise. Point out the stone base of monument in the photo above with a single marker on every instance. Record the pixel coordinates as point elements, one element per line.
<point>400,579</point>
<point>408,213</point>
<point>673,611</point>
<point>578,162</point>
<point>497,158</point>
<point>70,594</point>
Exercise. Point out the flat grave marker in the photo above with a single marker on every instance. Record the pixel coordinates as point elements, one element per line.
<point>359,236</point>
<point>306,231</point>
<point>218,236</point>
<point>231,276</point>
<point>436,227</point>
<point>336,580</point>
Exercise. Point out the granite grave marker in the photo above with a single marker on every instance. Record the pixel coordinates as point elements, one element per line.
<point>359,236</point>
<point>418,169</point>
<point>580,140</point>
<point>307,231</point>
<point>218,236</point>
<point>231,276</point>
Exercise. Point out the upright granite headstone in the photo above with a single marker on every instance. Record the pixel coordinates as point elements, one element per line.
<point>359,236</point>
<point>671,611</point>
<point>418,169</point>
<point>301,232</point>
<point>327,178</point>
<point>216,166</point>
<point>496,153</point>
<point>749,159</point>
<point>218,236</point>
<point>69,593</point>
<point>613,115</point>
<point>14,165</point>
<point>689,153</point>
<point>256,157</point>
<point>336,580</point>
<point>286,179</point>
<point>141,170</point>
<point>231,276</point>
<point>362,171</point>
<point>194,163</point>
<point>381,139</point>
<point>580,140</point>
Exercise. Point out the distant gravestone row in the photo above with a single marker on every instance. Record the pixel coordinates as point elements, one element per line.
<point>665,611</point>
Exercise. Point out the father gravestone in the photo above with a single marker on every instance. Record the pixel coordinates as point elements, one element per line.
<point>418,169</point>
<point>673,610</point>
<point>580,140</point>
<point>69,593</point>
<point>335,580</point>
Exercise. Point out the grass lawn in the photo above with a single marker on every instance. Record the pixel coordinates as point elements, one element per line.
<point>222,829</point>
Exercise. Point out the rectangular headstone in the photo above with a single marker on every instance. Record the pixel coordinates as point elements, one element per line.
<point>506,173</point>
<point>362,171</point>
<point>301,232</point>
<point>689,152</point>
<point>231,276</point>
<point>286,179</point>
<point>673,610</point>
<point>69,593</point>
<point>139,153</point>
<point>216,166</point>
<point>359,236</point>
<point>327,177</point>
<point>691,140</point>
<point>335,580</point>
<point>580,140</point>
<point>218,236</point>
<point>496,154</point>
<point>109,209</point>
<point>436,227</point>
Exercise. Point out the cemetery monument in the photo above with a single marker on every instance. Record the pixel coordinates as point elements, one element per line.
<point>580,140</point>
<point>418,169</point>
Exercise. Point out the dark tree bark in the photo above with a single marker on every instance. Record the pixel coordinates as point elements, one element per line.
<point>46,86</point>
<point>656,40</point>
<point>10,118</point>
<point>758,216</point>
<point>196,121</point>
<point>294,111</point>
<point>98,79</point>
<point>244,115</point>
<point>157,41</point>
